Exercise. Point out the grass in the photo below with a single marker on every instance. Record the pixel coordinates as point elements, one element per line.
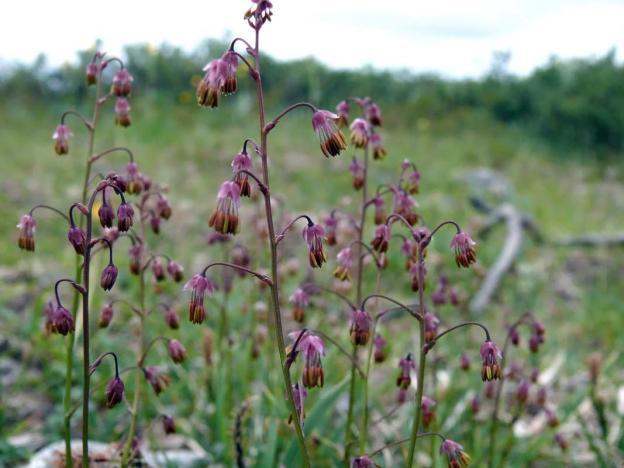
<point>575,292</point>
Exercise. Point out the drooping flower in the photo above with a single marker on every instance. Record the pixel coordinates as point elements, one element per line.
<point>157,379</point>
<point>122,83</point>
<point>418,273</point>
<point>431,324</point>
<point>475,404</point>
<point>299,394</point>
<point>241,162</point>
<point>199,286</point>
<point>331,138</point>
<point>109,276</point>
<point>380,345</point>
<point>464,247</point>
<point>412,182</point>
<point>331,223</point>
<point>61,139</point>
<point>177,352</point>
<point>376,141</point>
<point>134,180</point>
<point>261,12</point>
<point>62,320</point>
<point>313,349</point>
<point>406,365</point>
<point>230,83</point>
<point>136,254</point>
<point>122,112</point>
<point>522,391</point>
<point>163,207</point>
<point>404,205</point>
<point>490,355</point>
<point>220,78</point>
<point>373,114</point>
<point>359,133</point>
<point>313,235</point>
<point>561,441</point>
<point>114,392</point>
<point>361,327</point>
<point>342,109</point>
<point>345,262</point>
<point>534,343</point>
<point>158,270</point>
<point>551,417</point>
<point>455,454</point>
<point>300,300</point>
<point>357,173</point>
<point>125,213</point>
<point>77,237</point>
<point>225,217</point>
<point>27,227</point>
<point>427,406</point>
<point>175,270</point>
<point>106,214</point>
<point>106,315</point>
<point>168,424</point>
<point>91,73</point>
<point>171,318</point>
<point>362,462</point>
<point>380,212</point>
<point>382,238</point>
<point>464,362</point>
<point>514,336</point>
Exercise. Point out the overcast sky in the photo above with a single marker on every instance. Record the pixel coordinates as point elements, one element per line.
<point>455,38</point>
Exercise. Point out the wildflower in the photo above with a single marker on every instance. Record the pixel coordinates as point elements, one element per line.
<point>418,272</point>
<point>300,300</point>
<point>376,141</point>
<point>171,318</point>
<point>168,424</point>
<point>359,133</point>
<point>514,336</point>
<point>125,212</point>
<point>331,223</point>
<point>134,182</point>
<point>61,139</point>
<point>163,207</point>
<point>241,162</point>
<point>541,396</point>
<point>362,462</point>
<point>78,239</point>
<point>313,235</point>
<point>381,239</point>
<point>313,349</point>
<point>457,458</point>
<point>431,324</point>
<point>299,394</point>
<point>490,354</point>
<point>427,406</point>
<point>404,206</point>
<point>361,326</point>
<point>534,343</point>
<point>538,328</point>
<point>122,83</point>
<point>106,315</point>
<point>158,380</point>
<point>109,276</point>
<point>220,78</point>
<point>106,214</point>
<point>357,172</point>
<point>155,223</point>
<point>158,270</point>
<point>345,262</point>
<point>135,253</point>
<point>380,213</point>
<point>114,392</point>
<point>475,404</point>
<point>438,297</point>
<point>230,61</point>
<point>534,376</point>
<point>551,417</point>
<point>198,285</point>
<point>464,362</point>
<point>489,391</point>
<point>91,73</point>
<point>48,313</point>
<point>454,296</point>
<point>177,353</point>
<point>122,112</point>
<point>342,109</point>
<point>225,217</point>
<point>406,365</point>
<point>412,183</point>
<point>62,320</point>
<point>261,12</point>
<point>561,441</point>
<point>380,345</point>
<point>175,270</point>
<point>373,114</point>
<point>401,396</point>
<point>27,226</point>
<point>465,253</point>
<point>332,139</point>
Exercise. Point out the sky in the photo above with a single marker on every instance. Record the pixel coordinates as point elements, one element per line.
<point>454,38</point>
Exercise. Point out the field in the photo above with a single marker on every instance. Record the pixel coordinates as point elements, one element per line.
<point>574,290</point>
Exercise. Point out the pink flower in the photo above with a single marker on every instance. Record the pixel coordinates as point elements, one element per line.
<point>331,223</point>
<point>122,83</point>
<point>464,362</point>
<point>177,352</point>
<point>357,172</point>
<point>431,324</point>
<point>171,318</point>
<point>412,183</point>
<point>125,212</point>
<point>122,112</point>
<point>134,179</point>
<point>77,237</point>
<point>376,141</point>
<point>163,207</point>
<point>158,270</point>
<point>457,458</point>
<point>62,320</point>
<point>61,139</point>
<point>465,253</point>
<point>406,365</point>
<point>91,73</point>
<point>114,392</point>
<point>418,272</point>
<point>299,394</point>
<point>332,139</point>
<point>490,355</point>
<point>108,277</point>
<point>300,300</point>
<point>342,109</point>
<point>27,227</point>
<point>157,379</point>
<point>359,133</point>
<point>345,262</point>
<point>427,406</point>
<point>242,162</point>
<point>373,114</point>
<point>199,286</point>
<point>380,348</point>
<point>313,235</point>
<point>313,349</point>
<point>380,213</point>
<point>175,270</point>
<point>522,391</point>
<point>381,239</point>
<point>168,424</point>
<point>361,326</point>
<point>106,315</point>
<point>362,462</point>
<point>136,254</point>
<point>230,84</point>
<point>225,217</point>
<point>404,205</point>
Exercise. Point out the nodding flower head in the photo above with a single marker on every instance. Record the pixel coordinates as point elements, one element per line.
<point>261,12</point>
<point>431,324</point>
<point>154,222</point>
<point>490,355</point>
<point>163,208</point>
<point>106,214</point>
<point>380,212</point>
<point>418,273</point>
<point>464,362</point>
<point>175,270</point>
<point>406,365</point>
<point>342,110</point>
<point>359,133</point>
<point>177,352</point>
<point>171,318</point>
<point>373,114</point>
<point>108,278</point>
<point>313,349</point>
<point>125,213</point>
<point>376,141</point>
<point>106,315</point>
<point>230,60</point>
<point>427,406</point>
<point>412,182</point>
<point>345,262</point>
<point>158,270</point>
<point>361,327</point>
<point>241,162</point>
<point>62,320</point>
<point>91,73</point>
<point>475,404</point>
<point>551,417</point>
<point>134,179</point>
<point>464,247</point>
<point>114,392</point>
<point>357,172</point>
<point>404,205</point>
<point>122,83</point>
<point>26,239</point>
<point>522,391</point>
<point>168,424</point>
<point>455,454</point>
<point>157,379</point>
<point>538,328</point>
<point>122,112</point>
<point>313,235</point>
<point>561,441</point>
<point>220,78</point>
<point>299,394</point>
<point>380,345</point>
<point>61,139</point>
<point>77,237</point>
<point>136,255</point>
<point>225,217</point>
<point>300,300</point>
<point>381,239</point>
<point>410,250</point>
<point>199,286</point>
<point>362,462</point>
<point>332,139</point>
<point>534,342</point>
<point>331,224</point>
<point>514,336</point>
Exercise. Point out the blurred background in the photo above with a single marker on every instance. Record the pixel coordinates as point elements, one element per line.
<point>505,102</point>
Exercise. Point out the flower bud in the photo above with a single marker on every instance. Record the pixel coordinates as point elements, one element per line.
<point>380,345</point>
<point>522,391</point>
<point>382,238</point>
<point>78,239</point>
<point>61,139</point>
<point>362,462</point>
<point>465,253</point>
<point>163,207</point>
<point>490,354</point>
<point>106,215</point>
<point>135,253</point>
<point>26,226</point>
<point>359,133</point>
<point>171,318</point>
<point>175,270</point>
<point>122,83</point>
<point>313,235</point>
<point>168,424</point>
<point>455,454</point>
<point>106,315</point>
<point>331,138</point>
<point>177,353</point>
<point>91,73</point>
<point>125,212</point>
<point>361,326</point>
<point>62,320</point>
<point>122,112</point>
<point>464,362</point>
<point>114,392</point>
<point>158,380</point>
<point>108,278</point>
<point>158,270</point>
<point>428,411</point>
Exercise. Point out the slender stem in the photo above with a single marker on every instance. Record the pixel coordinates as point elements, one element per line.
<point>260,276</point>
<point>271,125</point>
<point>51,208</point>
<point>95,157</point>
<point>272,242</point>
<point>76,114</point>
<point>461,325</point>
<point>402,441</point>
<point>85,340</point>
<point>282,234</point>
<point>315,287</point>
<point>394,301</point>
<point>442,224</point>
